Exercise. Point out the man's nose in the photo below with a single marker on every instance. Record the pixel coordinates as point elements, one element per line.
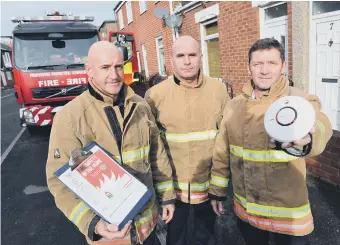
<point>114,73</point>
<point>265,68</point>
<point>187,60</point>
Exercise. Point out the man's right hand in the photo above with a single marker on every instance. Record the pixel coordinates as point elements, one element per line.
<point>111,232</point>
<point>217,207</point>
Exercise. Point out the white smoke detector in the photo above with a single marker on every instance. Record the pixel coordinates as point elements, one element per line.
<point>289,118</point>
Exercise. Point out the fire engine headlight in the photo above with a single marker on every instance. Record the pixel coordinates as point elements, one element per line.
<point>28,116</point>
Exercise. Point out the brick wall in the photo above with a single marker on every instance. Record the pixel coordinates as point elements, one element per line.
<point>327,165</point>
<point>146,27</point>
<point>238,25</point>
<point>189,26</point>
<point>238,29</point>
<point>110,27</point>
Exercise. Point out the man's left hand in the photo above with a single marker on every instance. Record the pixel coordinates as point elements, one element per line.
<point>301,142</point>
<point>168,212</point>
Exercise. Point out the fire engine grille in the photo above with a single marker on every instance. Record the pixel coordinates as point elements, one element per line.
<point>41,93</point>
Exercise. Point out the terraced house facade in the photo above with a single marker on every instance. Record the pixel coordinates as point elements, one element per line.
<point>309,31</point>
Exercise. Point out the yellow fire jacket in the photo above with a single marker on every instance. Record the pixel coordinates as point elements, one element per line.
<point>269,185</point>
<point>82,121</point>
<point>189,120</point>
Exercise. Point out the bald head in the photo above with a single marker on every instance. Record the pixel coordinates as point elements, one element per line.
<point>105,67</point>
<point>184,42</point>
<point>186,58</point>
<point>103,48</point>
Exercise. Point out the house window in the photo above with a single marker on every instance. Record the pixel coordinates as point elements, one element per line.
<point>121,20</point>
<point>145,60</point>
<point>160,56</point>
<point>211,49</point>
<point>129,12</point>
<point>325,7</point>
<point>142,6</point>
<point>276,11</point>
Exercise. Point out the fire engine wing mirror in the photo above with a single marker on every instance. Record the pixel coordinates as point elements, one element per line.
<point>124,51</point>
<point>58,44</point>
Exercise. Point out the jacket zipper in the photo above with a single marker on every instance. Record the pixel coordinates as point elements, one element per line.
<point>126,122</point>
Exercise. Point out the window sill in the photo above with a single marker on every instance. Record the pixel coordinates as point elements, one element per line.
<point>142,12</point>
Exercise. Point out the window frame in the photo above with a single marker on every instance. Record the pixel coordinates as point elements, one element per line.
<point>204,47</point>
<point>145,60</point>
<point>121,19</point>
<point>129,12</point>
<point>142,6</point>
<point>158,47</point>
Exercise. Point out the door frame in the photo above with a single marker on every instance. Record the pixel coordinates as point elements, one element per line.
<point>314,20</point>
<point>145,60</point>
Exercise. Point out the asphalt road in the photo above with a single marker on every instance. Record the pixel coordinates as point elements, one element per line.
<point>29,215</point>
<point>28,212</point>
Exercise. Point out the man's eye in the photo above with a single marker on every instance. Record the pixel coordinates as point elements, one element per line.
<point>105,67</point>
<point>119,67</point>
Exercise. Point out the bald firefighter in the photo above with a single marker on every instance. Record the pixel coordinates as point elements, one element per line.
<point>107,108</point>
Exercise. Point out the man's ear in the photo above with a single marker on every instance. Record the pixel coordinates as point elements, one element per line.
<point>283,69</point>
<point>88,70</point>
<point>248,68</point>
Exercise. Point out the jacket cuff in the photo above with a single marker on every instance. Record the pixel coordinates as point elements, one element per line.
<point>217,198</point>
<point>92,227</point>
<point>173,201</point>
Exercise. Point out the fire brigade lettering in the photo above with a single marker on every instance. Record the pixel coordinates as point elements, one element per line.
<point>58,73</point>
<point>46,74</point>
<point>48,83</point>
<point>76,81</point>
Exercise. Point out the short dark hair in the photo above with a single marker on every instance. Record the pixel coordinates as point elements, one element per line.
<point>155,79</point>
<point>267,43</point>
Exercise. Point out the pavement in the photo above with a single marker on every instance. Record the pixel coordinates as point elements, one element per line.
<point>29,215</point>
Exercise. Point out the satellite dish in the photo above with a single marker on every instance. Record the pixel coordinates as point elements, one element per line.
<point>173,21</point>
<point>161,13</point>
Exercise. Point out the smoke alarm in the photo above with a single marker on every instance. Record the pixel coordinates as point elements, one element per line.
<point>289,118</point>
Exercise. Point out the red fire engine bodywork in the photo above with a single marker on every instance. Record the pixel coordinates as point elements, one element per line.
<point>36,90</point>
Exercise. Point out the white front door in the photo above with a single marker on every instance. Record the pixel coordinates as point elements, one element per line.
<point>326,74</point>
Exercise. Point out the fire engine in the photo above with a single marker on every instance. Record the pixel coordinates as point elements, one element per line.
<point>126,39</point>
<point>49,53</point>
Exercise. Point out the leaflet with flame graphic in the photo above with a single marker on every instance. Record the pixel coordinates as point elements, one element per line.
<point>104,185</point>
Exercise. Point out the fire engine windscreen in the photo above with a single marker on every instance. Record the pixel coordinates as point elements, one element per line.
<point>57,51</point>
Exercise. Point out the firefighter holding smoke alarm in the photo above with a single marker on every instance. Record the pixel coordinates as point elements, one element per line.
<point>268,176</point>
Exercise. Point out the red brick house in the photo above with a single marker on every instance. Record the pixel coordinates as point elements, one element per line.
<point>310,32</point>
<point>106,27</point>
